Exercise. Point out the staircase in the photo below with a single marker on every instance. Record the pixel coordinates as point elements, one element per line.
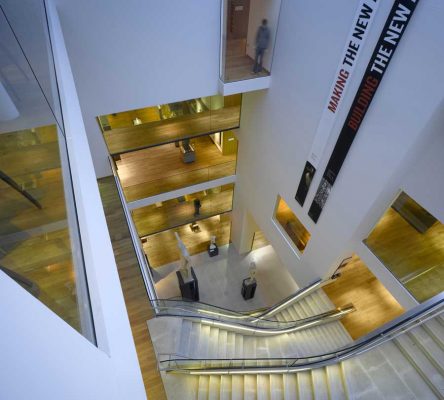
<point>409,367</point>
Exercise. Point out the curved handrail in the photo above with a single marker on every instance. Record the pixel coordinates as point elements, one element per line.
<point>389,331</point>
<point>202,309</point>
<point>268,328</point>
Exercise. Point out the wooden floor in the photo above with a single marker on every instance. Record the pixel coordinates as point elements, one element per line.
<point>136,300</point>
<point>239,66</point>
<point>374,304</point>
<point>259,240</point>
<point>160,169</point>
<point>162,248</point>
<point>132,138</point>
<point>169,214</point>
<point>405,251</point>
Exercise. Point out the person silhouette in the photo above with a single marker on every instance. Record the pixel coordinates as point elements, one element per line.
<point>262,42</point>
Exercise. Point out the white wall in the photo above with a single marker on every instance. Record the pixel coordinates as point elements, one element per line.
<point>260,9</point>
<point>43,357</point>
<point>132,54</point>
<point>278,126</point>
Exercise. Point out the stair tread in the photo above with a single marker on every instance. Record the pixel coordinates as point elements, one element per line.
<point>290,386</point>
<point>319,382</point>
<point>305,389</point>
<point>184,339</point>
<point>428,344</point>
<point>335,382</point>
<point>225,387</point>
<point>422,362</point>
<point>406,371</point>
<point>202,393</point>
<point>276,387</point>
<point>214,387</point>
<point>250,384</point>
<point>263,387</point>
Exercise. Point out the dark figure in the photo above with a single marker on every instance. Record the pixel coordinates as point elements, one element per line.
<point>197,206</point>
<point>262,42</point>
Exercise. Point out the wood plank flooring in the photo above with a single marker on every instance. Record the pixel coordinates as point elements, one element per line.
<point>168,214</point>
<point>133,138</point>
<point>404,251</point>
<point>239,66</point>
<point>160,169</point>
<point>162,248</point>
<point>136,299</point>
<point>374,304</point>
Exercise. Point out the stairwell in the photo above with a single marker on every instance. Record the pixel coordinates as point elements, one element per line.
<point>409,367</point>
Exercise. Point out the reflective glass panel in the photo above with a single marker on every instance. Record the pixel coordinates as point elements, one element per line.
<point>409,241</point>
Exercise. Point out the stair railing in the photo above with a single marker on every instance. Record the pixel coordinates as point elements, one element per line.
<point>387,332</point>
<point>255,326</point>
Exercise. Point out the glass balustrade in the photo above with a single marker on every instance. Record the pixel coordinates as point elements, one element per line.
<point>409,241</point>
<point>248,36</point>
<point>172,166</point>
<point>183,210</point>
<point>40,247</point>
<point>137,129</point>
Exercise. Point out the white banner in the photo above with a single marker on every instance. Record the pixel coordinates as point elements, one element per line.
<point>355,41</point>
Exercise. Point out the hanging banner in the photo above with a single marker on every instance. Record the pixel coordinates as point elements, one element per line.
<point>392,32</point>
<point>355,41</point>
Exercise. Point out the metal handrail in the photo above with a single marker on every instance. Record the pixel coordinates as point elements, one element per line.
<point>143,262</point>
<point>389,331</point>
<point>269,328</point>
<point>149,280</point>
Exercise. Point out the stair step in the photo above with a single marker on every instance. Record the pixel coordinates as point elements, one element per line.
<point>250,385</point>
<point>305,388</point>
<point>213,346</point>
<point>263,387</point>
<point>238,346</point>
<point>408,374</point>
<point>357,380</point>
<point>194,340</point>
<point>222,344</point>
<point>237,388</point>
<point>335,381</point>
<point>184,339</point>
<point>202,393</point>
<point>231,345</point>
<point>428,345</point>
<point>384,376</point>
<point>290,383</point>
<point>225,387</point>
<point>204,342</point>
<point>319,382</point>
<point>276,387</point>
<point>421,362</point>
<point>436,329</point>
<point>214,388</point>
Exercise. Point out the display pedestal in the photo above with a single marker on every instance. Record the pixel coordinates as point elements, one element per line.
<point>248,288</point>
<point>213,250</point>
<point>189,286</point>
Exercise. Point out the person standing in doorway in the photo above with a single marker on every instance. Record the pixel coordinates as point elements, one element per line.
<point>262,42</point>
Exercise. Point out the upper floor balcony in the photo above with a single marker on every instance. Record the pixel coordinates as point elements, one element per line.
<point>248,34</point>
